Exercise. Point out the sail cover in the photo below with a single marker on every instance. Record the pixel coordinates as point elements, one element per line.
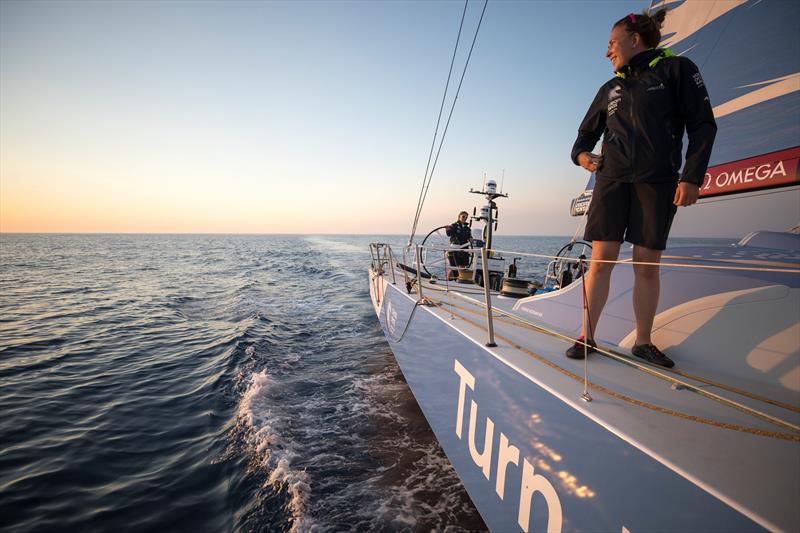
<point>748,52</point>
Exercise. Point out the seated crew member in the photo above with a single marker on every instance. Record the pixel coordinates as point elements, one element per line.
<point>459,233</point>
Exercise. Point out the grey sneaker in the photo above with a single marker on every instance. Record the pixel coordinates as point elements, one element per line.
<point>651,354</point>
<point>576,351</point>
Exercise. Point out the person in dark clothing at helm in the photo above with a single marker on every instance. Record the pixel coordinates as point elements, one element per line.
<point>460,234</point>
<point>642,114</point>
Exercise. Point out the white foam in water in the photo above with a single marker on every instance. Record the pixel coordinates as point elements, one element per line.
<point>334,245</point>
<point>416,488</point>
<point>275,454</point>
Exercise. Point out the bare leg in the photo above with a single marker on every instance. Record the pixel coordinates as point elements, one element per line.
<point>646,287</point>
<point>598,281</point>
<point>451,267</point>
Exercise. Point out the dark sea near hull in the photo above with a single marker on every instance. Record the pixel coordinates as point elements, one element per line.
<point>210,383</point>
<point>206,383</point>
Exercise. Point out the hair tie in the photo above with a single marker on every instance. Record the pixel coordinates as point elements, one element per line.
<point>632,17</point>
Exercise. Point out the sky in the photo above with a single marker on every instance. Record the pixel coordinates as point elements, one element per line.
<point>292,117</point>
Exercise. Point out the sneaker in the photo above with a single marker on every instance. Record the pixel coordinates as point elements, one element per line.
<point>651,354</point>
<point>576,351</point>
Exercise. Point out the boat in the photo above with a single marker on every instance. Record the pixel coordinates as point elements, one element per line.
<point>612,443</point>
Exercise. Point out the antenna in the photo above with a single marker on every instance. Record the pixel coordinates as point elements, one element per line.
<point>502,180</point>
<point>483,186</point>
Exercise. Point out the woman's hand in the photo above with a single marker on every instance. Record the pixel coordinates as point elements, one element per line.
<point>686,194</point>
<point>589,161</point>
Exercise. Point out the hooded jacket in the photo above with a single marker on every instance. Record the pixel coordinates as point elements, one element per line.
<point>642,114</point>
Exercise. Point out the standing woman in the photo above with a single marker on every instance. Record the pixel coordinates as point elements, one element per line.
<point>642,114</point>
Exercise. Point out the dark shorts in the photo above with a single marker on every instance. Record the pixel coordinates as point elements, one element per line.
<point>640,213</point>
<point>461,259</point>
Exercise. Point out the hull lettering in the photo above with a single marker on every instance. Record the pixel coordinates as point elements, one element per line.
<point>507,454</point>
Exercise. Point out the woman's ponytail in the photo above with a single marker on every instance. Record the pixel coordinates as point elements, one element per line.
<point>647,26</point>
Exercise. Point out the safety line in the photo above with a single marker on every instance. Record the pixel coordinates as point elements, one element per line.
<point>643,263</point>
<point>640,403</point>
<point>725,401</point>
<point>626,360</point>
<point>681,265</point>
<point>520,322</point>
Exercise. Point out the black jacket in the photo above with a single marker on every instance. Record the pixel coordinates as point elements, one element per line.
<point>459,233</point>
<point>642,114</point>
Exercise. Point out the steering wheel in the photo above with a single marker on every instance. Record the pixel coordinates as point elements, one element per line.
<point>434,260</point>
<point>566,259</point>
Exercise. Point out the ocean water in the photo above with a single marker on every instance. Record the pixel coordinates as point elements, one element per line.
<point>210,383</point>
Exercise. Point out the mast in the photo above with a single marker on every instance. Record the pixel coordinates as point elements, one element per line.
<point>490,192</point>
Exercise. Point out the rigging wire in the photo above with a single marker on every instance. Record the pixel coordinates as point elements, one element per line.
<point>452,108</point>
<point>424,192</point>
<point>438,121</point>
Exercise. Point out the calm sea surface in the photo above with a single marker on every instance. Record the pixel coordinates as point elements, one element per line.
<point>210,383</point>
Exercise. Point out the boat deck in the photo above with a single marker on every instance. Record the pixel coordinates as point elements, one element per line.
<point>734,439</point>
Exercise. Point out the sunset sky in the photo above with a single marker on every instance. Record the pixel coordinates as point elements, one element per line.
<point>291,117</point>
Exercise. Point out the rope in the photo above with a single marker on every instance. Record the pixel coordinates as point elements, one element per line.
<point>644,263</point>
<point>681,265</point>
<point>519,322</point>
<point>408,322</point>
<point>447,124</point>
<point>644,368</point>
<point>658,408</point>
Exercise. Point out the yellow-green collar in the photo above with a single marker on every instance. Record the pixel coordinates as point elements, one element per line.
<point>663,52</point>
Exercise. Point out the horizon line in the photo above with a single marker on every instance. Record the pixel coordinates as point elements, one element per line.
<point>304,234</point>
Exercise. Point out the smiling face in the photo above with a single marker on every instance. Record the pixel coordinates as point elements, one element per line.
<point>622,46</point>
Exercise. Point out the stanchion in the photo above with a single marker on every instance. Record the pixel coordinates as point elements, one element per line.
<point>447,287</point>
<point>585,396</point>
<point>488,296</point>
<point>419,274</point>
<point>391,264</point>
